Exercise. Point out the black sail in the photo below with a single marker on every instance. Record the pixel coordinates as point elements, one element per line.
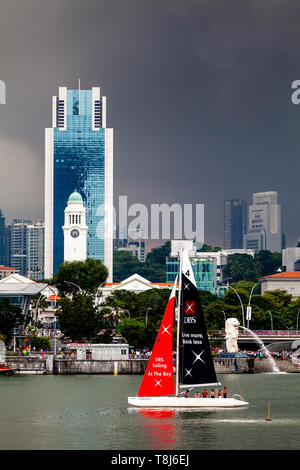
<point>195,359</point>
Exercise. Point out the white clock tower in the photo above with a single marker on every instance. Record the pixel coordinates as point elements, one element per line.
<point>75,229</point>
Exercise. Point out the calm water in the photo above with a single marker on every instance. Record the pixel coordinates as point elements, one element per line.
<point>91,412</point>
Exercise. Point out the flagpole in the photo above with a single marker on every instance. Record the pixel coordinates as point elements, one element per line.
<point>178,327</point>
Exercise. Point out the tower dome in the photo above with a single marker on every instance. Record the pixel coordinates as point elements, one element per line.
<point>75,197</point>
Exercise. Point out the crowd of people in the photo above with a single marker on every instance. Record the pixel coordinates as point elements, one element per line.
<point>139,353</point>
<point>205,394</point>
<point>281,355</point>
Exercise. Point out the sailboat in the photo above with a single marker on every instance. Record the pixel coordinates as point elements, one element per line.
<point>194,362</point>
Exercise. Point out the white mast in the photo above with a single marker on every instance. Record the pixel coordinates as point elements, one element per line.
<point>178,327</point>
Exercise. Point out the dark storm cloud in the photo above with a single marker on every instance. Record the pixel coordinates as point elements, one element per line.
<point>198,94</point>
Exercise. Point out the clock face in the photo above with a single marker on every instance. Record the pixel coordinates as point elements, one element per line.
<point>74,233</point>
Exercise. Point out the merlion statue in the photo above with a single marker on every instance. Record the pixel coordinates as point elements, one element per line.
<point>232,333</point>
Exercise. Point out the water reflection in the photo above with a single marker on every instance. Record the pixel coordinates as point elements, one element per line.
<point>160,428</point>
<point>165,429</point>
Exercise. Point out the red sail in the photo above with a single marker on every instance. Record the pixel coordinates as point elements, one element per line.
<point>159,376</point>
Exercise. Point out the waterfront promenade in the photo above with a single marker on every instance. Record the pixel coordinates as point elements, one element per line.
<point>61,366</point>
<point>64,363</point>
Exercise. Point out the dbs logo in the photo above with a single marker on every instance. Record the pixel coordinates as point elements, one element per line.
<point>189,307</point>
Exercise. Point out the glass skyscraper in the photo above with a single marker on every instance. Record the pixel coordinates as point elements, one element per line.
<point>79,157</point>
<point>235,223</point>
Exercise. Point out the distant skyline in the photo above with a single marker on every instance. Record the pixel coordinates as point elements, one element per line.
<point>198,93</point>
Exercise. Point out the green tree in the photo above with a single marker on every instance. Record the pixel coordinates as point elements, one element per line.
<point>88,275</point>
<point>246,286</point>
<point>153,272</point>
<point>40,342</point>
<point>136,333</point>
<point>278,299</point>
<point>153,269</point>
<point>214,314</point>
<point>10,317</point>
<point>158,255</point>
<point>125,265</point>
<point>206,297</point>
<point>151,304</point>
<point>79,318</point>
<point>209,248</point>
<point>123,302</point>
<point>267,263</point>
<point>241,267</point>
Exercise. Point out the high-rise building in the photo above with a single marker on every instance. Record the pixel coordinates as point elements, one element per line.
<point>235,223</point>
<point>291,259</point>
<point>79,156</point>
<point>3,238</point>
<point>35,236</point>
<point>264,223</point>
<point>4,242</point>
<point>27,248</point>
<point>135,248</point>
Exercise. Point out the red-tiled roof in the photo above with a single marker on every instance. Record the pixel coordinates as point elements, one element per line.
<point>284,275</point>
<point>7,268</point>
<point>162,284</point>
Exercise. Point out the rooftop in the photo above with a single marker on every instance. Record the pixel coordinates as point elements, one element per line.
<point>283,275</point>
<point>7,268</point>
<point>75,197</point>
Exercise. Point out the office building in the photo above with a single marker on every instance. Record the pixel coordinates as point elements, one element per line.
<point>235,223</point>
<point>135,248</point>
<point>207,266</point>
<point>288,281</point>
<point>4,242</point>
<point>79,157</point>
<point>27,248</point>
<point>6,271</point>
<point>2,239</point>
<point>291,259</point>
<point>264,223</point>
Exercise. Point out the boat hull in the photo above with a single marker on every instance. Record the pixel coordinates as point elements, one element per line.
<point>6,371</point>
<point>182,402</point>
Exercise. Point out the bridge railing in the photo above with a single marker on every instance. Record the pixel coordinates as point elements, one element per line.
<point>283,333</point>
<point>271,333</point>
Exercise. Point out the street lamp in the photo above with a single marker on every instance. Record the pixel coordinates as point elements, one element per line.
<point>147,314</point>
<point>14,332</point>
<point>68,282</point>
<point>297,320</point>
<point>271,319</point>
<point>240,303</point>
<point>249,306</point>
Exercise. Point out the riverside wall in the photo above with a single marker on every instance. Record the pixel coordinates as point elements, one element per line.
<point>49,365</point>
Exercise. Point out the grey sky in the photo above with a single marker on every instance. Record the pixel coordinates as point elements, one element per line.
<point>198,92</point>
